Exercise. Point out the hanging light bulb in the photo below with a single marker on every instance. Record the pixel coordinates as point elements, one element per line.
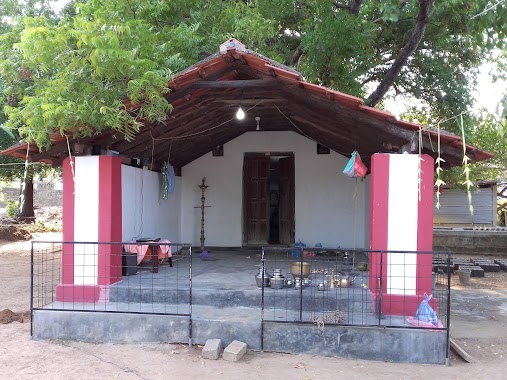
<point>257,118</point>
<point>240,115</point>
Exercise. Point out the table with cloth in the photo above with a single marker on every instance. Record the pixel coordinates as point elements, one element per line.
<point>144,251</point>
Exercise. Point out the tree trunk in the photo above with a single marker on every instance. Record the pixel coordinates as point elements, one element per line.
<point>26,212</point>
<point>355,6</point>
<point>425,7</point>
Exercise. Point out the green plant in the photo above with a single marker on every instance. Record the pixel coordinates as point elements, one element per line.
<point>11,208</point>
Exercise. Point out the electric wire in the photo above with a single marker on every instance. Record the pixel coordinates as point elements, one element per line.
<point>22,163</point>
<point>205,130</point>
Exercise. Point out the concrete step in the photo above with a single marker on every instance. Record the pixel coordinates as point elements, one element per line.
<point>351,298</point>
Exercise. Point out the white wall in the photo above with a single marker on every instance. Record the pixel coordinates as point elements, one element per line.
<point>144,212</point>
<point>330,208</point>
<point>86,217</point>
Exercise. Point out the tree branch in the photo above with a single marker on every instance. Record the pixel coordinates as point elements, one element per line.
<point>425,7</point>
<point>355,6</point>
<point>296,57</point>
<point>341,6</point>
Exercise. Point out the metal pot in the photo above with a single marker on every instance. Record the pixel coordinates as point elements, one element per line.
<point>258,278</point>
<point>300,269</point>
<point>345,282</point>
<point>277,281</point>
<point>298,284</point>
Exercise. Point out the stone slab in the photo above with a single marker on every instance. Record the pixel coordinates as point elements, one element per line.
<point>235,351</point>
<point>212,349</point>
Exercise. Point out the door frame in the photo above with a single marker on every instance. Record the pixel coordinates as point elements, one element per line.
<point>244,195</point>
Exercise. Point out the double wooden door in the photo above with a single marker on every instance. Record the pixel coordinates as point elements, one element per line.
<point>257,183</point>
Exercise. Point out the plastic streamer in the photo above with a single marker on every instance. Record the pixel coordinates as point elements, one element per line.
<point>165,184</point>
<point>167,180</point>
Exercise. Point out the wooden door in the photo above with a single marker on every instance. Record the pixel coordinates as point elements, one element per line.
<point>256,185</point>
<point>286,200</point>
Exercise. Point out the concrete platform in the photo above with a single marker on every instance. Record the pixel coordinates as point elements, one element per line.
<point>226,304</point>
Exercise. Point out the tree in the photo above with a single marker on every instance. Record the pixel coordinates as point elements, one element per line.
<point>10,88</point>
<point>77,72</point>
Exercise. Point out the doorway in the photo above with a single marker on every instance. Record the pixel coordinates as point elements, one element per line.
<point>268,199</point>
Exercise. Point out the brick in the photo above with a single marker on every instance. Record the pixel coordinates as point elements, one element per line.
<point>212,349</point>
<point>487,264</point>
<point>234,351</point>
<point>475,270</point>
<point>502,263</point>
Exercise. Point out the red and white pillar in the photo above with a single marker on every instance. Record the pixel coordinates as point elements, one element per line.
<point>401,219</point>
<point>92,212</point>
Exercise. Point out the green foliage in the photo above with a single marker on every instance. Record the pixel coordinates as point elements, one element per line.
<point>15,79</point>
<point>11,208</point>
<point>74,73</point>
<point>485,135</point>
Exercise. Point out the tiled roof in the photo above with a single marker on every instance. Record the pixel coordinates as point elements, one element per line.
<point>206,96</point>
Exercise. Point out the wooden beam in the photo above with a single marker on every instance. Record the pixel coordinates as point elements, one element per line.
<point>252,83</point>
<point>174,135</point>
<point>193,154</point>
<point>360,121</point>
<point>252,101</point>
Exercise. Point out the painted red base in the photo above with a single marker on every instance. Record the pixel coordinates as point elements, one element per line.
<point>404,305</point>
<point>110,265</point>
<point>81,293</point>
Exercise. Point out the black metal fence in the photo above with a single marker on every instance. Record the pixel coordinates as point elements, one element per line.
<point>356,287</point>
<point>299,285</point>
<point>124,277</point>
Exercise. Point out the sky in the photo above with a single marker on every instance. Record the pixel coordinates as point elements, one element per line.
<point>489,94</point>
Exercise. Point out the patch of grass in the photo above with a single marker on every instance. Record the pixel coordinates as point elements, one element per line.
<point>39,226</point>
<point>11,209</point>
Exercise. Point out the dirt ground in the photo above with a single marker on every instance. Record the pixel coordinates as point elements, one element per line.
<point>478,323</point>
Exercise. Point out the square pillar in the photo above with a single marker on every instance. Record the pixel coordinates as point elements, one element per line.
<point>401,219</point>
<point>92,212</point>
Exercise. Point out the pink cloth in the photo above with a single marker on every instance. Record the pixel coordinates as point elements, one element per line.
<point>418,323</point>
<point>142,249</point>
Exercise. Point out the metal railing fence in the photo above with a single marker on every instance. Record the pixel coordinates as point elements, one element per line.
<point>112,277</point>
<point>353,287</point>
